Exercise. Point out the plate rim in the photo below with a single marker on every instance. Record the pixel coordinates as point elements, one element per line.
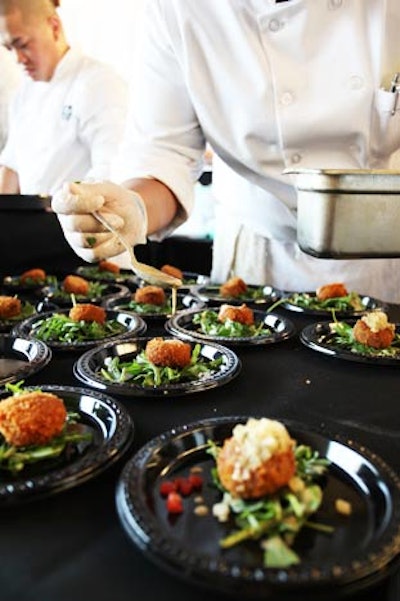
<point>56,346</point>
<point>121,292</point>
<point>256,341</point>
<point>321,312</point>
<point>342,354</point>
<point>77,472</point>
<point>6,324</point>
<point>250,576</point>
<point>130,275</point>
<point>179,389</point>
<point>35,367</point>
<point>218,299</point>
<point>158,316</point>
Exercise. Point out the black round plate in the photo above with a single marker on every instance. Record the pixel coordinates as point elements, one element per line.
<point>63,299</point>
<point>369,304</point>
<point>21,357</point>
<point>318,337</point>
<point>27,309</point>
<point>112,434</point>
<point>92,272</point>
<point>191,280</point>
<point>182,325</point>
<point>256,295</point>
<point>184,301</point>
<point>363,548</point>
<point>134,326</point>
<point>87,369</point>
<point>12,284</point>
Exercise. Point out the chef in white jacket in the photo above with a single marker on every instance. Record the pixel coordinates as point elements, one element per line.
<point>270,85</point>
<point>9,80</point>
<point>68,116</point>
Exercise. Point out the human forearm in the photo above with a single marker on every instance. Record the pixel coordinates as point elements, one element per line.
<point>161,204</point>
<point>9,182</point>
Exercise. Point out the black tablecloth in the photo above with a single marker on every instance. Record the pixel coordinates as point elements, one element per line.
<point>71,545</point>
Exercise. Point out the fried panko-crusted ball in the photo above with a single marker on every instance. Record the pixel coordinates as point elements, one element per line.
<point>150,295</point>
<point>74,284</point>
<point>257,460</point>
<point>10,306</point>
<point>242,314</point>
<point>109,266</point>
<point>36,275</point>
<point>88,312</point>
<point>334,290</point>
<point>32,418</point>
<point>174,271</point>
<point>373,329</point>
<point>233,287</point>
<point>168,353</point>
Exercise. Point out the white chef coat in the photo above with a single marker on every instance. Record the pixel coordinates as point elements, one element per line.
<point>9,80</point>
<point>68,128</point>
<point>269,86</point>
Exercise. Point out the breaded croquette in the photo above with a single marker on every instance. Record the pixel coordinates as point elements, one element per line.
<point>109,266</point>
<point>242,314</point>
<point>10,306</point>
<point>233,287</point>
<point>334,290</point>
<point>36,275</point>
<point>257,460</point>
<point>168,353</point>
<point>32,418</point>
<point>373,329</point>
<point>87,312</point>
<point>174,271</point>
<point>150,295</point>
<point>74,284</point>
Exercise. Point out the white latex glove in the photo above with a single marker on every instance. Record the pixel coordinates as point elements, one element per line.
<point>122,208</point>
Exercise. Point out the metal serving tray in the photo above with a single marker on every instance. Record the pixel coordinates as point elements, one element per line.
<point>352,213</point>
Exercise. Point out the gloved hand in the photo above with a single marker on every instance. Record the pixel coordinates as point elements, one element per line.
<point>122,208</point>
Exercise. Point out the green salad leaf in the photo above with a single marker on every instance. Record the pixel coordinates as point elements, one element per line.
<point>341,335</point>
<point>96,289</point>
<point>256,293</point>
<point>144,308</point>
<point>351,302</point>
<point>27,309</point>
<point>141,371</point>
<point>275,520</point>
<point>14,459</point>
<point>208,324</point>
<point>59,327</point>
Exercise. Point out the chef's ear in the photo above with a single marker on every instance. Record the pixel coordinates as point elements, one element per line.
<point>55,24</point>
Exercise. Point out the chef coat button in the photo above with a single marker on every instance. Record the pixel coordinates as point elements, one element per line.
<point>356,82</point>
<point>287,98</point>
<point>274,25</point>
<point>296,158</point>
<point>334,4</point>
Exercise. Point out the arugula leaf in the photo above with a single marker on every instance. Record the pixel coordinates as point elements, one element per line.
<point>276,519</point>
<point>59,327</point>
<point>277,554</point>
<point>341,335</point>
<point>141,371</point>
<point>208,324</point>
<point>13,459</point>
<point>351,302</point>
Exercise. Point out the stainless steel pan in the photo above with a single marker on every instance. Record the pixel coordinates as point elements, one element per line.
<point>352,213</point>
